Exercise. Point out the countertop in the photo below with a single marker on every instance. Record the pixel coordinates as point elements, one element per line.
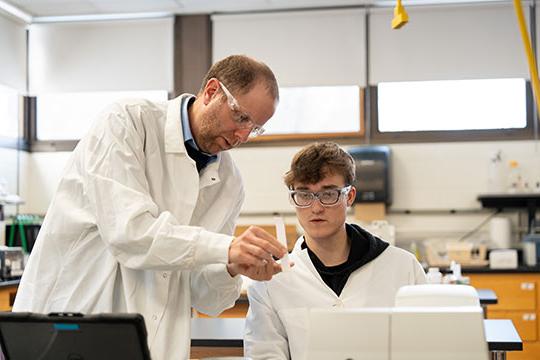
<point>486,297</point>
<point>501,335</point>
<point>9,283</point>
<point>487,270</point>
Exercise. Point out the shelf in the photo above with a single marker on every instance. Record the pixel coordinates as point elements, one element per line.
<point>510,200</point>
<point>529,201</point>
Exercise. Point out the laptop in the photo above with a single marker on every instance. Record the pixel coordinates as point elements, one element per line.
<point>442,333</point>
<point>349,334</point>
<point>401,333</point>
<point>73,336</point>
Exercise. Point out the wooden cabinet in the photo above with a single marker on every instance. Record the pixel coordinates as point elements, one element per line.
<point>239,310</point>
<point>204,352</point>
<point>518,300</point>
<point>7,297</point>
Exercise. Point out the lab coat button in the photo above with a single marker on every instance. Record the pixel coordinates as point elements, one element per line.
<point>165,275</point>
<point>154,317</point>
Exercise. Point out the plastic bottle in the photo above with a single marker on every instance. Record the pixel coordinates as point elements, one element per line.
<point>460,279</point>
<point>434,276</point>
<point>451,277</point>
<point>515,181</point>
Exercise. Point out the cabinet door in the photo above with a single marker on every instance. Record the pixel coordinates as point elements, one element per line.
<point>239,310</point>
<point>7,297</point>
<point>525,322</point>
<point>199,352</point>
<point>531,349</point>
<point>512,293</point>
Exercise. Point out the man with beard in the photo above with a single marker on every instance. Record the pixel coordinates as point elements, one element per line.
<point>142,217</point>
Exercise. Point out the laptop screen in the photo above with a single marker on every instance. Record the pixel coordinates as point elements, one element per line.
<point>73,337</point>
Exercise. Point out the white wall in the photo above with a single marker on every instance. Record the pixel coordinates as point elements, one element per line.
<point>12,74</point>
<point>432,176</point>
<point>428,179</point>
<point>9,174</point>
<point>41,175</point>
<point>444,176</point>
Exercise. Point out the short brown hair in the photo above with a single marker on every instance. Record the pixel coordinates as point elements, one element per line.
<point>239,73</point>
<point>316,161</point>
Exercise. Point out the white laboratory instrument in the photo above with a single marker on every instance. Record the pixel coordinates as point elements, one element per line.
<point>349,334</point>
<point>500,232</point>
<point>400,333</point>
<point>442,333</point>
<point>503,259</point>
<point>437,295</point>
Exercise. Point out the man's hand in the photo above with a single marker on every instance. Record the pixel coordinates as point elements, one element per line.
<point>260,273</point>
<point>250,254</point>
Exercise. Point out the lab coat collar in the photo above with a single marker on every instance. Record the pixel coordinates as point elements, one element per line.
<point>174,142</point>
<point>356,233</point>
<point>174,139</point>
<point>210,174</point>
<point>303,257</point>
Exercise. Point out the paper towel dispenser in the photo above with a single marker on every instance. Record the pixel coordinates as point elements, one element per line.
<point>372,174</point>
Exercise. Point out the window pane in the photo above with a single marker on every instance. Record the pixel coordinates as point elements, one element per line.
<point>313,110</point>
<point>452,105</point>
<point>9,112</point>
<point>67,116</point>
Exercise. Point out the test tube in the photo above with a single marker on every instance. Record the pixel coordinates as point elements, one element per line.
<point>280,232</point>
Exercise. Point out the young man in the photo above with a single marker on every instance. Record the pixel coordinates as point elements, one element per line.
<point>336,264</point>
<point>142,217</point>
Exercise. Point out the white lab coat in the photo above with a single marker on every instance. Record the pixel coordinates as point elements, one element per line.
<point>133,228</point>
<point>278,316</point>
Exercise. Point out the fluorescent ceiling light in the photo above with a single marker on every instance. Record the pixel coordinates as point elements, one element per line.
<point>100,17</point>
<point>14,11</point>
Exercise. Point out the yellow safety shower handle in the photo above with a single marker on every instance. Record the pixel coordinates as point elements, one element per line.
<point>400,16</point>
<point>528,50</point>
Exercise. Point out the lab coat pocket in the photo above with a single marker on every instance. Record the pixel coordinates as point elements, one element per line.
<point>296,323</point>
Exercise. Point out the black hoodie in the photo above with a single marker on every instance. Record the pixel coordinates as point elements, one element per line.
<point>364,248</point>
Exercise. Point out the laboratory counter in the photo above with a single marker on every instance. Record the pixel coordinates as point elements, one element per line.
<point>521,269</point>
<point>209,337</point>
<point>9,283</point>
<point>485,296</point>
<point>486,270</point>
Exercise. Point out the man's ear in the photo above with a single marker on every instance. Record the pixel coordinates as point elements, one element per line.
<point>210,90</point>
<point>351,196</point>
